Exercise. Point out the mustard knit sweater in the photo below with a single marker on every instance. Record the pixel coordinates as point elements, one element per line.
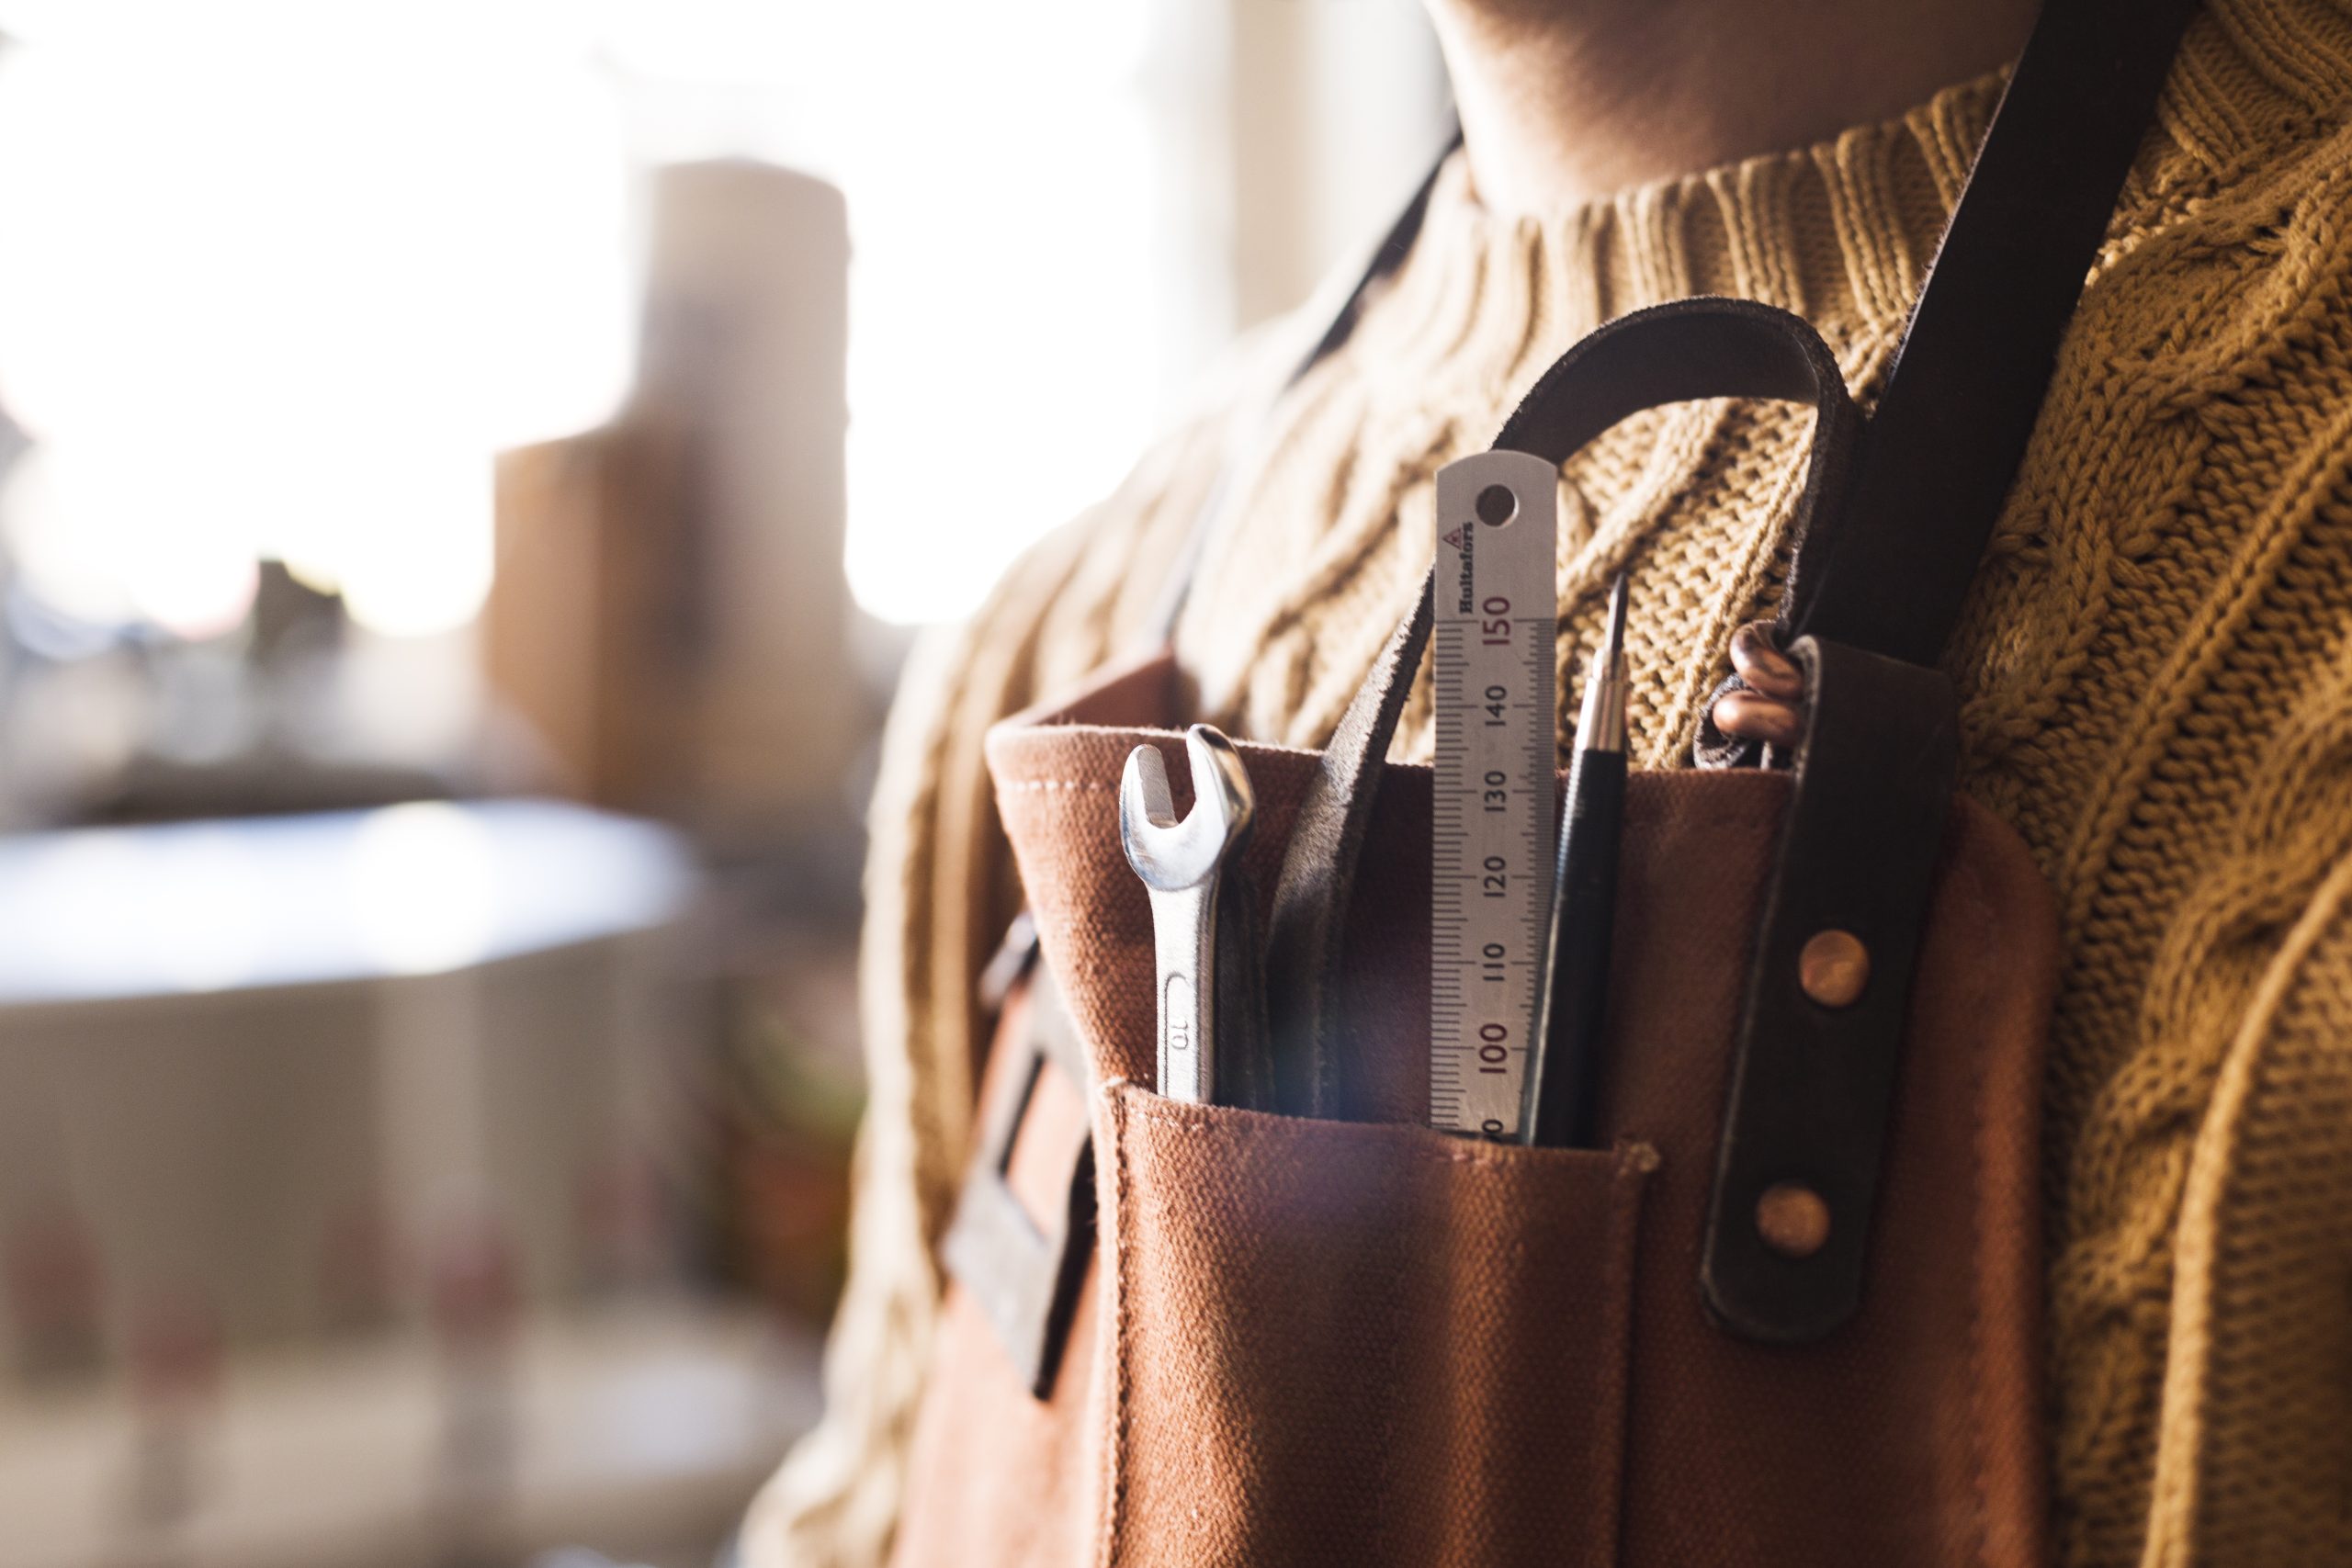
<point>2156,670</point>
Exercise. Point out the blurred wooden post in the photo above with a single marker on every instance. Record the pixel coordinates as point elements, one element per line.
<point>670,615</point>
<point>1334,109</point>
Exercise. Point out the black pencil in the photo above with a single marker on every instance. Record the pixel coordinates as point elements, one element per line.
<point>1562,1094</point>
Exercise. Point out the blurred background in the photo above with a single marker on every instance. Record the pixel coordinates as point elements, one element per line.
<point>469,472</point>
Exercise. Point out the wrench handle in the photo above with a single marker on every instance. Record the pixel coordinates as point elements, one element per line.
<point>1184,939</point>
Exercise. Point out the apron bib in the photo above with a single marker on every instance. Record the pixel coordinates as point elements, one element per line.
<point>1197,1335</point>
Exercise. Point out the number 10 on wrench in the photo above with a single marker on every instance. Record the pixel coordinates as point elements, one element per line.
<point>1182,863</point>
<point>1496,623</point>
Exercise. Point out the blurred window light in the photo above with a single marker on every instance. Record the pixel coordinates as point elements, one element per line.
<point>177,23</point>
<point>110,537</point>
<point>407,889</point>
<point>328,239</point>
<point>277,282</point>
<point>1009,182</point>
<point>423,885</point>
<point>418,557</point>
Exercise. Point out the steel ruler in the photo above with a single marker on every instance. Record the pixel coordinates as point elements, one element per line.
<point>1497,613</point>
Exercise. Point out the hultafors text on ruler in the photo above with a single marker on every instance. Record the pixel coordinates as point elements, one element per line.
<point>1496,616</point>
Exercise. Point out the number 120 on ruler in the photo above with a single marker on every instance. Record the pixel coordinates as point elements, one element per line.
<point>1496,616</point>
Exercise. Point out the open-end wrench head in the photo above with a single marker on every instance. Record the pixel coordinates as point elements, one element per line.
<point>1171,855</point>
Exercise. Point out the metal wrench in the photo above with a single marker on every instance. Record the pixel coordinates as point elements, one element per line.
<point>1180,862</point>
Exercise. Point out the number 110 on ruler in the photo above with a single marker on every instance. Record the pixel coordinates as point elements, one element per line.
<point>1498,612</point>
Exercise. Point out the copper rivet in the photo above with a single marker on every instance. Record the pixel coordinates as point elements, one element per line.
<point>1793,1219</point>
<point>1834,967</point>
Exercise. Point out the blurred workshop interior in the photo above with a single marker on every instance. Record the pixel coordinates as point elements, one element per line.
<point>469,470</point>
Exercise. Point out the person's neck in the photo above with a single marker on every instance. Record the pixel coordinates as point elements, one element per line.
<point>1563,101</point>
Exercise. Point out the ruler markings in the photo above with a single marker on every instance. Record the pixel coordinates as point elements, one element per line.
<point>1495,806</point>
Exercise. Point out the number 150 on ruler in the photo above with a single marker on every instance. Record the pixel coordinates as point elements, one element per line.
<point>1498,612</point>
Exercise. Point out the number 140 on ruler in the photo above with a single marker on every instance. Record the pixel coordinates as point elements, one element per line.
<point>1496,617</point>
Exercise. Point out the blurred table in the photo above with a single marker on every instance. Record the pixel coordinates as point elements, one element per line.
<point>642,1433</point>
<point>352,1169</point>
<point>288,1075</point>
<point>246,904</point>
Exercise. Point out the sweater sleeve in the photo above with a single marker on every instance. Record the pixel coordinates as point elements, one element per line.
<point>2255,1453</point>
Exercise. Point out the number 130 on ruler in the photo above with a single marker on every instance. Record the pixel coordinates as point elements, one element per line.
<point>1497,620</point>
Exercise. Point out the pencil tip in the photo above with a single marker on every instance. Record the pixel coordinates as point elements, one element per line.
<point>1602,725</point>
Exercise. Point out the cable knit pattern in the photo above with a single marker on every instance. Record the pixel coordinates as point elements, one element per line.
<point>2156,670</point>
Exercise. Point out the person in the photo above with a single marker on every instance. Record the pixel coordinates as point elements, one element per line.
<point>2156,666</point>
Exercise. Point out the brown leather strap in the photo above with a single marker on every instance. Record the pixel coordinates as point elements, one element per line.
<point>1705,347</point>
<point>1673,352</point>
<point>1948,431</point>
<point>1395,246</point>
<point>1812,1082</point>
<point>1813,1074</point>
<point>1944,443</point>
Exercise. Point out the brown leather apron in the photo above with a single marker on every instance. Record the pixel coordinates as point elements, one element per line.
<point>1189,1333</point>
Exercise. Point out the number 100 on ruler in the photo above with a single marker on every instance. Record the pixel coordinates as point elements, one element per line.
<point>1491,892</point>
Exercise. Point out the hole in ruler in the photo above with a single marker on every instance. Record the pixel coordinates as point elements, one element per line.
<point>1496,506</point>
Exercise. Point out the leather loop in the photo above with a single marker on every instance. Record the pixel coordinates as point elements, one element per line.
<point>1674,353</point>
<point>1680,351</point>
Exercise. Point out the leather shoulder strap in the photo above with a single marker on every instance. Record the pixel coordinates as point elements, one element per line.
<point>1814,1075</point>
<point>1951,429</point>
<point>1385,260</point>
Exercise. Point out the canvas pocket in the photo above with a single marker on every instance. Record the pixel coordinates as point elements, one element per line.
<point>1361,1343</point>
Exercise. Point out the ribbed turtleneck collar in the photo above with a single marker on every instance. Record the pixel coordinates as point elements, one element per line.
<point>1840,233</point>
